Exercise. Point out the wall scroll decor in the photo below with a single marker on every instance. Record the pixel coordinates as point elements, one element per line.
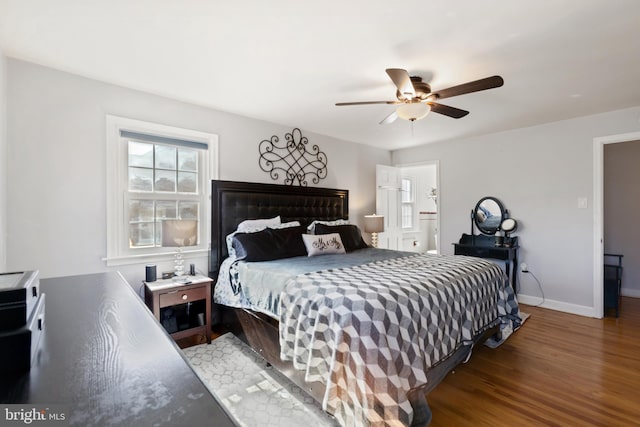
<point>293,159</point>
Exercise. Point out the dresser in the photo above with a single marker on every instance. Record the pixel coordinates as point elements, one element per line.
<point>104,360</point>
<point>483,246</point>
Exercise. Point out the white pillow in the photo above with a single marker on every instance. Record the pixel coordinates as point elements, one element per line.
<point>312,227</point>
<point>232,252</point>
<point>251,225</point>
<point>286,225</point>
<point>323,244</point>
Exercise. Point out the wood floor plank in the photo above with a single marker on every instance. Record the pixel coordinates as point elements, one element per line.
<point>557,370</point>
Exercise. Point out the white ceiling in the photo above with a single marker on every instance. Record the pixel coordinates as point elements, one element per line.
<point>290,61</point>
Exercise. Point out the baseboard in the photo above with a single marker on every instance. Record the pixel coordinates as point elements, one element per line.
<point>633,293</point>
<point>565,307</point>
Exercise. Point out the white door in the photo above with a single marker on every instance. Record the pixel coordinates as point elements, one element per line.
<point>388,186</point>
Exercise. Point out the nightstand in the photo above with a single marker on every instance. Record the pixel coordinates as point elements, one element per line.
<point>182,306</point>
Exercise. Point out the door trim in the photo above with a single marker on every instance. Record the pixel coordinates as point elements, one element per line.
<point>598,214</point>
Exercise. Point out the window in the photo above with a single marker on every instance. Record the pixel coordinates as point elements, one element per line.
<point>407,203</point>
<point>155,172</point>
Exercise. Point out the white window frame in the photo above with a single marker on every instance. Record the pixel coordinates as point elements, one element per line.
<point>411,203</point>
<point>118,251</point>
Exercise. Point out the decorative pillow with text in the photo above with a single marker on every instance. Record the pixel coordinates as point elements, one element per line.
<point>323,244</point>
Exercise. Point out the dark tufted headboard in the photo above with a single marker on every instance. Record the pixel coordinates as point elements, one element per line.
<point>232,202</point>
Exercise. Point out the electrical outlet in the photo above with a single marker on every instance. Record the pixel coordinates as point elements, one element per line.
<point>524,267</point>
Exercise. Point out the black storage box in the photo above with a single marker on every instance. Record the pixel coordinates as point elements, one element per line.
<point>18,347</point>
<point>18,295</point>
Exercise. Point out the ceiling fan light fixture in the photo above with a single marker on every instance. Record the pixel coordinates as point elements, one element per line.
<point>413,110</point>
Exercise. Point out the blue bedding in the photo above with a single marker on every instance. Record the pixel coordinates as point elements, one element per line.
<point>258,285</point>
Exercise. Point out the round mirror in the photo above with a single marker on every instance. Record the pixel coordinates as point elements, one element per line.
<point>488,215</point>
<point>509,225</point>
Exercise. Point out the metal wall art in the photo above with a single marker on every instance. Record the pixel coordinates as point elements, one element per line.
<point>293,159</point>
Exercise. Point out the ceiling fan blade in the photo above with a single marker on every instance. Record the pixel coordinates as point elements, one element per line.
<point>454,112</point>
<point>390,118</point>
<point>340,104</point>
<point>475,86</point>
<point>402,80</point>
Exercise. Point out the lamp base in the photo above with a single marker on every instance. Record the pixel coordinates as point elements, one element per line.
<point>374,240</point>
<point>178,263</point>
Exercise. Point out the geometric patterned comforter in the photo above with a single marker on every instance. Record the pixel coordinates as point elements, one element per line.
<point>372,331</point>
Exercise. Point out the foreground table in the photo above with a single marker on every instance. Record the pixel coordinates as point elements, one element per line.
<point>104,360</point>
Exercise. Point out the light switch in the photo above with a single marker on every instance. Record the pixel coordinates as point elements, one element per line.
<point>582,203</point>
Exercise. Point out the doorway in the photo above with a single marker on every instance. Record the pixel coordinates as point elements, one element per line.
<point>598,213</point>
<point>407,196</point>
<point>621,204</point>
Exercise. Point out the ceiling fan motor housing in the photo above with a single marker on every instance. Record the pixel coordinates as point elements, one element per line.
<point>421,88</point>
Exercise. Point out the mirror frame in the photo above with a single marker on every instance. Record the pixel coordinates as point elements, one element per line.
<point>483,229</point>
<point>511,230</point>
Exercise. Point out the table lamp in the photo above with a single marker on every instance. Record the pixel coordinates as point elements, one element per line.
<point>374,224</point>
<point>179,233</point>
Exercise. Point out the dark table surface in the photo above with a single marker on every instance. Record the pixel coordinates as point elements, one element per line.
<point>104,360</point>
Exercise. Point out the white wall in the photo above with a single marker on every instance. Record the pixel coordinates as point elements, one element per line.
<point>538,173</point>
<point>57,174</point>
<point>3,163</point>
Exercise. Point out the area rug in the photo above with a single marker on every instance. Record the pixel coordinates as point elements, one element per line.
<point>252,391</point>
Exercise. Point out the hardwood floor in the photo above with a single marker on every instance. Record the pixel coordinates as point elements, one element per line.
<point>557,370</point>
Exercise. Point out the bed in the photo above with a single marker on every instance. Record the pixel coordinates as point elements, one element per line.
<point>367,337</point>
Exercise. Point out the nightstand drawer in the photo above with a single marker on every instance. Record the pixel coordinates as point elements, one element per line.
<point>181,296</point>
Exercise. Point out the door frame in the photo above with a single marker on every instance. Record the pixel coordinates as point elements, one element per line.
<point>598,214</point>
<point>435,163</point>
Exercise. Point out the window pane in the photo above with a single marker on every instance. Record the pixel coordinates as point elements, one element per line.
<point>165,181</point>
<point>140,154</point>
<point>141,235</point>
<point>407,216</point>
<point>188,210</point>
<point>406,190</point>
<point>140,210</point>
<point>165,209</point>
<point>187,182</point>
<point>140,179</point>
<point>165,157</point>
<point>187,160</point>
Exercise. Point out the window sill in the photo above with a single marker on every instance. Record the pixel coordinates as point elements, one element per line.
<point>152,258</point>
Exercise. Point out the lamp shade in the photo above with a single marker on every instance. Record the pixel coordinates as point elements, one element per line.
<point>413,110</point>
<point>373,223</point>
<point>179,232</point>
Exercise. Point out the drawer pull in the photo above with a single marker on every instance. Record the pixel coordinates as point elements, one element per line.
<point>184,297</point>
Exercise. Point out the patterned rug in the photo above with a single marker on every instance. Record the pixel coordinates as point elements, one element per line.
<point>254,393</point>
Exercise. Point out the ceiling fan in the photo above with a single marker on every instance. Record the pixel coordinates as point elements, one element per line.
<point>415,98</point>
